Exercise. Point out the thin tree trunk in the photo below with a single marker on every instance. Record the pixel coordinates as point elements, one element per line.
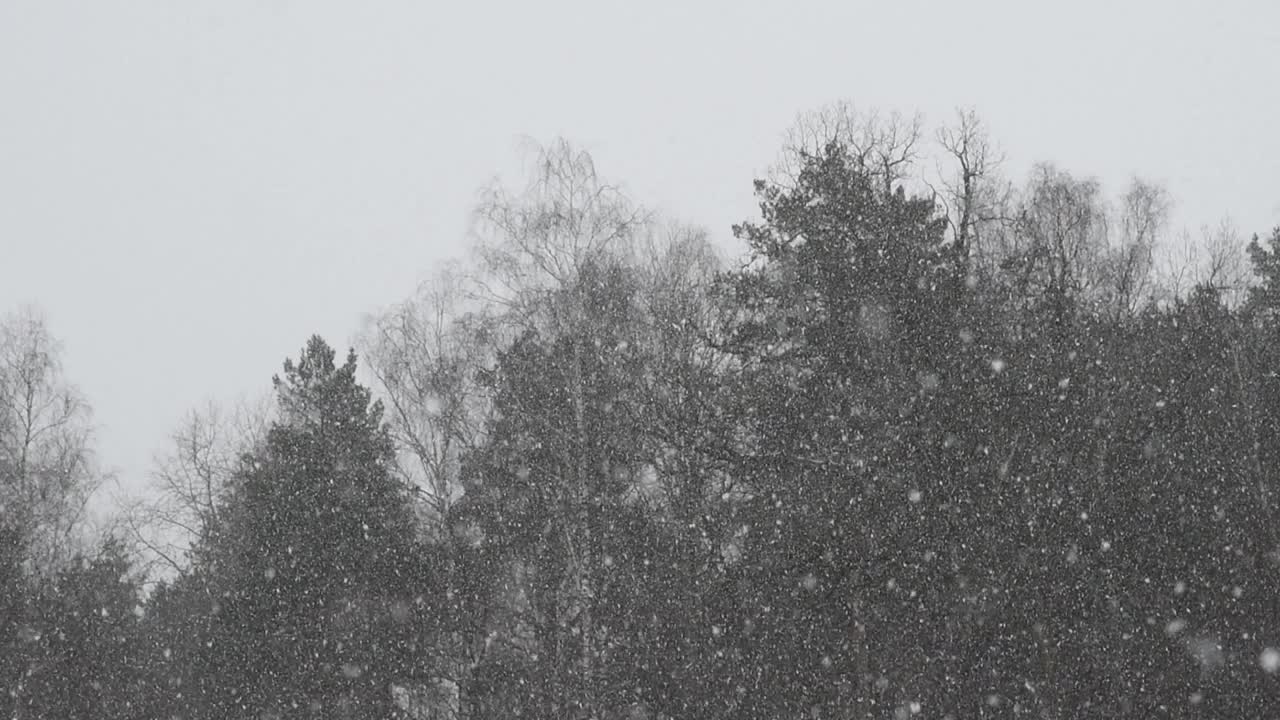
<point>584,555</point>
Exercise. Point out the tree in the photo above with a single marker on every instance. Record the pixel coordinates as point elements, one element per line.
<point>574,280</point>
<point>549,486</point>
<point>322,587</point>
<point>885,146</point>
<point>46,462</point>
<point>1058,243</point>
<point>189,483</point>
<point>1144,212</point>
<point>536,241</point>
<point>1225,265</point>
<point>539,245</point>
<point>15,631</point>
<point>973,192</point>
<point>83,642</point>
<point>424,354</point>
<point>1265,258</point>
<point>847,320</point>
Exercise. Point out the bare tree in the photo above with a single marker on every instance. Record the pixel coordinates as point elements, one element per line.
<point>424,354</point>
<point>1143,215</point>
<point>189,482</point>
<point>677,269</point>
<point>47,472</point>
<point>972,192</point>
<point>1056,247</point>
<point>1176,268</point>
<point>887,146</point>
<point>1215,259</point>
<point>1224,266</point>
<point>532,242</point>
<point>534,247</point>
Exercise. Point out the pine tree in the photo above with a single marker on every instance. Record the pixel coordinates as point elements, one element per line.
<point>323,591</point>
<point>848,319</point>
<point>83,642</point>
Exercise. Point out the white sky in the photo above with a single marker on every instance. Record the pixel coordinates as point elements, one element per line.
<point>189,189</point>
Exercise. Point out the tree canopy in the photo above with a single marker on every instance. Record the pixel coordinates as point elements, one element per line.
<point>954,449</point>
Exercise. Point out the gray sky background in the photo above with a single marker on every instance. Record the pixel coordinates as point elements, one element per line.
<point>189,189</point>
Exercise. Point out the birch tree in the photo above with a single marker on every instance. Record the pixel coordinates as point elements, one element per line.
<point>189,481</point>
<point>47,471</point>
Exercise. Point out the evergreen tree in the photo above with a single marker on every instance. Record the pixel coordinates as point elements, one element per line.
<point>848,315</point>
<point>1265,258</point>
<point>83,642</point>
<point>322,590</point>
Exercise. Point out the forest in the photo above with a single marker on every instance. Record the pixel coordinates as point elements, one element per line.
<point>941,443</point>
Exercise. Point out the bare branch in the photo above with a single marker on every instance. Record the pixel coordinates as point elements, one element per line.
<point>970,191</point>
<point>539,239</point>
<point>190,481</point>
<point>424,355</point>
<point>1130,262</point>
<point>46,465</point>
<point>886,146</point>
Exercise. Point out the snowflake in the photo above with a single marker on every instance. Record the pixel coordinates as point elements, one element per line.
<point>1270,660</point>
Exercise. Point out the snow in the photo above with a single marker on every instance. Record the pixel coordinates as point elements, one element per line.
<point>1269,660</point>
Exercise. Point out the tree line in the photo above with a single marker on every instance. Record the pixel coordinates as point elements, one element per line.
<point>943,447</point>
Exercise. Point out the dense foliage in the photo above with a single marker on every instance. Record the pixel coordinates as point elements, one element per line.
<point>910,459</point>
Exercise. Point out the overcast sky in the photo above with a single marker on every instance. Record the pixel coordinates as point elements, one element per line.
<point>189,189</point>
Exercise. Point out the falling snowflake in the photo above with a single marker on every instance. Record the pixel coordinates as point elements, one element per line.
<point>1207,652</point>
<point>1270,660</point>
